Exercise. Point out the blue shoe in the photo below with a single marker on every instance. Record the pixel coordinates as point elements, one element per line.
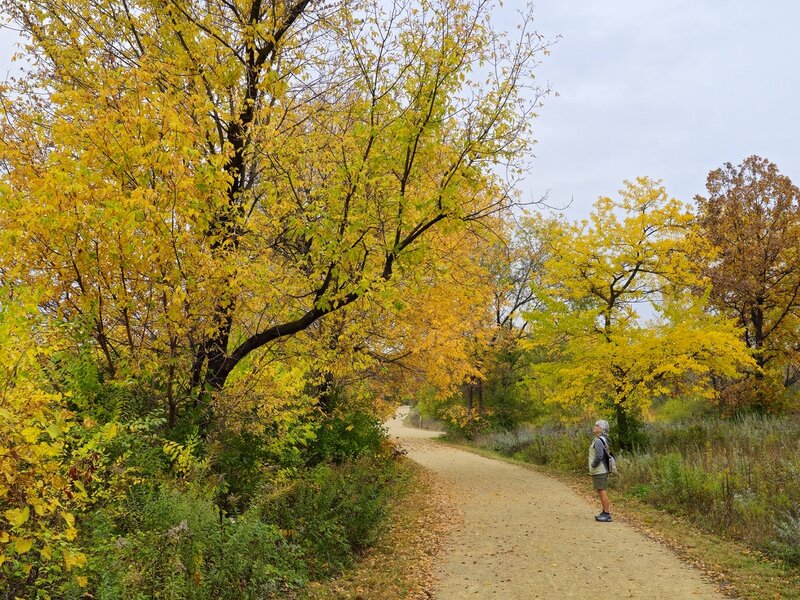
<point>603,517</point>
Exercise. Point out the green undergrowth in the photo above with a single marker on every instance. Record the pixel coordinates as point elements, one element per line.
<point>400,564</point>
<point>172,538</point>
<point>179,544</point>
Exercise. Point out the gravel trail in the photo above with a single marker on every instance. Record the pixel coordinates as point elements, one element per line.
<point>526,536</point>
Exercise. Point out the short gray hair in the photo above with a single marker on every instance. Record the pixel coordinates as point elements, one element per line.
<point>603,425</point>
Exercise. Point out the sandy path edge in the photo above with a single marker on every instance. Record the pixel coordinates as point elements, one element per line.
<point>528,536</point>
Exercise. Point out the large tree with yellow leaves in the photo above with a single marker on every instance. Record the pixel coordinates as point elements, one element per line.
<point>191,181</point>
<point>641,250</point>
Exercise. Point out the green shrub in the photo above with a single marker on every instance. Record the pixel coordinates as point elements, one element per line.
<point>158,528</point>
<point>641,491</point>
<point>332,512</point>
<point>536,451</point>
<point>240,461</point>
<point>570,452</point>
<point>183,547</point>
<point>679,485</point>
<point>173,541</point>
<point>787,544</point>
<point>347,437</point>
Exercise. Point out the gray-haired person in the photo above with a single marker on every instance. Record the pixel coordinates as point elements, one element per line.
<point>598,467</point>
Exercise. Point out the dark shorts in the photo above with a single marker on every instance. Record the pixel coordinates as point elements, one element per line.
<point>600,481</point>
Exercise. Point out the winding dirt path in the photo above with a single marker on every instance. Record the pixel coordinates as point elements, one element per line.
<point>527,536</point>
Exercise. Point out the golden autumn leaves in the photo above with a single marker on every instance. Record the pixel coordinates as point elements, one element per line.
<point>231,209</point>
<point>238,210</point>
<point>37,524</point>
<point>648,298</point>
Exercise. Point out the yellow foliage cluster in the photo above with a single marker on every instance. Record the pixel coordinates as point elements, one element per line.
<point>414,337</point>
<point>37,496</point>
<point>642,250</point>
<point>194,185</point>
<point>465,419</point>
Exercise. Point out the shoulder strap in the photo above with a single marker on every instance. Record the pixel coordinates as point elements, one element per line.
<point>607,460</point>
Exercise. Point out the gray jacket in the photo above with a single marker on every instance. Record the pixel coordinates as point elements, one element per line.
<point>598,457</point>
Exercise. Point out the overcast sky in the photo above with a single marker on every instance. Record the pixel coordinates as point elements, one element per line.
<point>665,88</point>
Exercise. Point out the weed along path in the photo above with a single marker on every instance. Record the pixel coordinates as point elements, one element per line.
<point>526,536</point>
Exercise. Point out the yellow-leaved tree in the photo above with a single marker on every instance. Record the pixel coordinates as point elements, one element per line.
<point>602,352</point>
<point>191,181</point>
<point>413,339</point>
<point>491,393</point>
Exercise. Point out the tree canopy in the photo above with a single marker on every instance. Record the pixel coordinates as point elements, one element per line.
<point>192,181</point>
<point>752,215</point>
<point>600,351</point>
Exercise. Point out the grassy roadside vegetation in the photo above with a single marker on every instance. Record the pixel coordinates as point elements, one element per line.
<point>309,528</point>
<point>186,535</point>
<point>400,564</point>
<point>735,521</point>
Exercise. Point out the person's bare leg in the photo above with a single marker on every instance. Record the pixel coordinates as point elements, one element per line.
<point>604,501</point>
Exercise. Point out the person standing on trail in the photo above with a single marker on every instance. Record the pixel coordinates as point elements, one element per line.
<point>598,467</point>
